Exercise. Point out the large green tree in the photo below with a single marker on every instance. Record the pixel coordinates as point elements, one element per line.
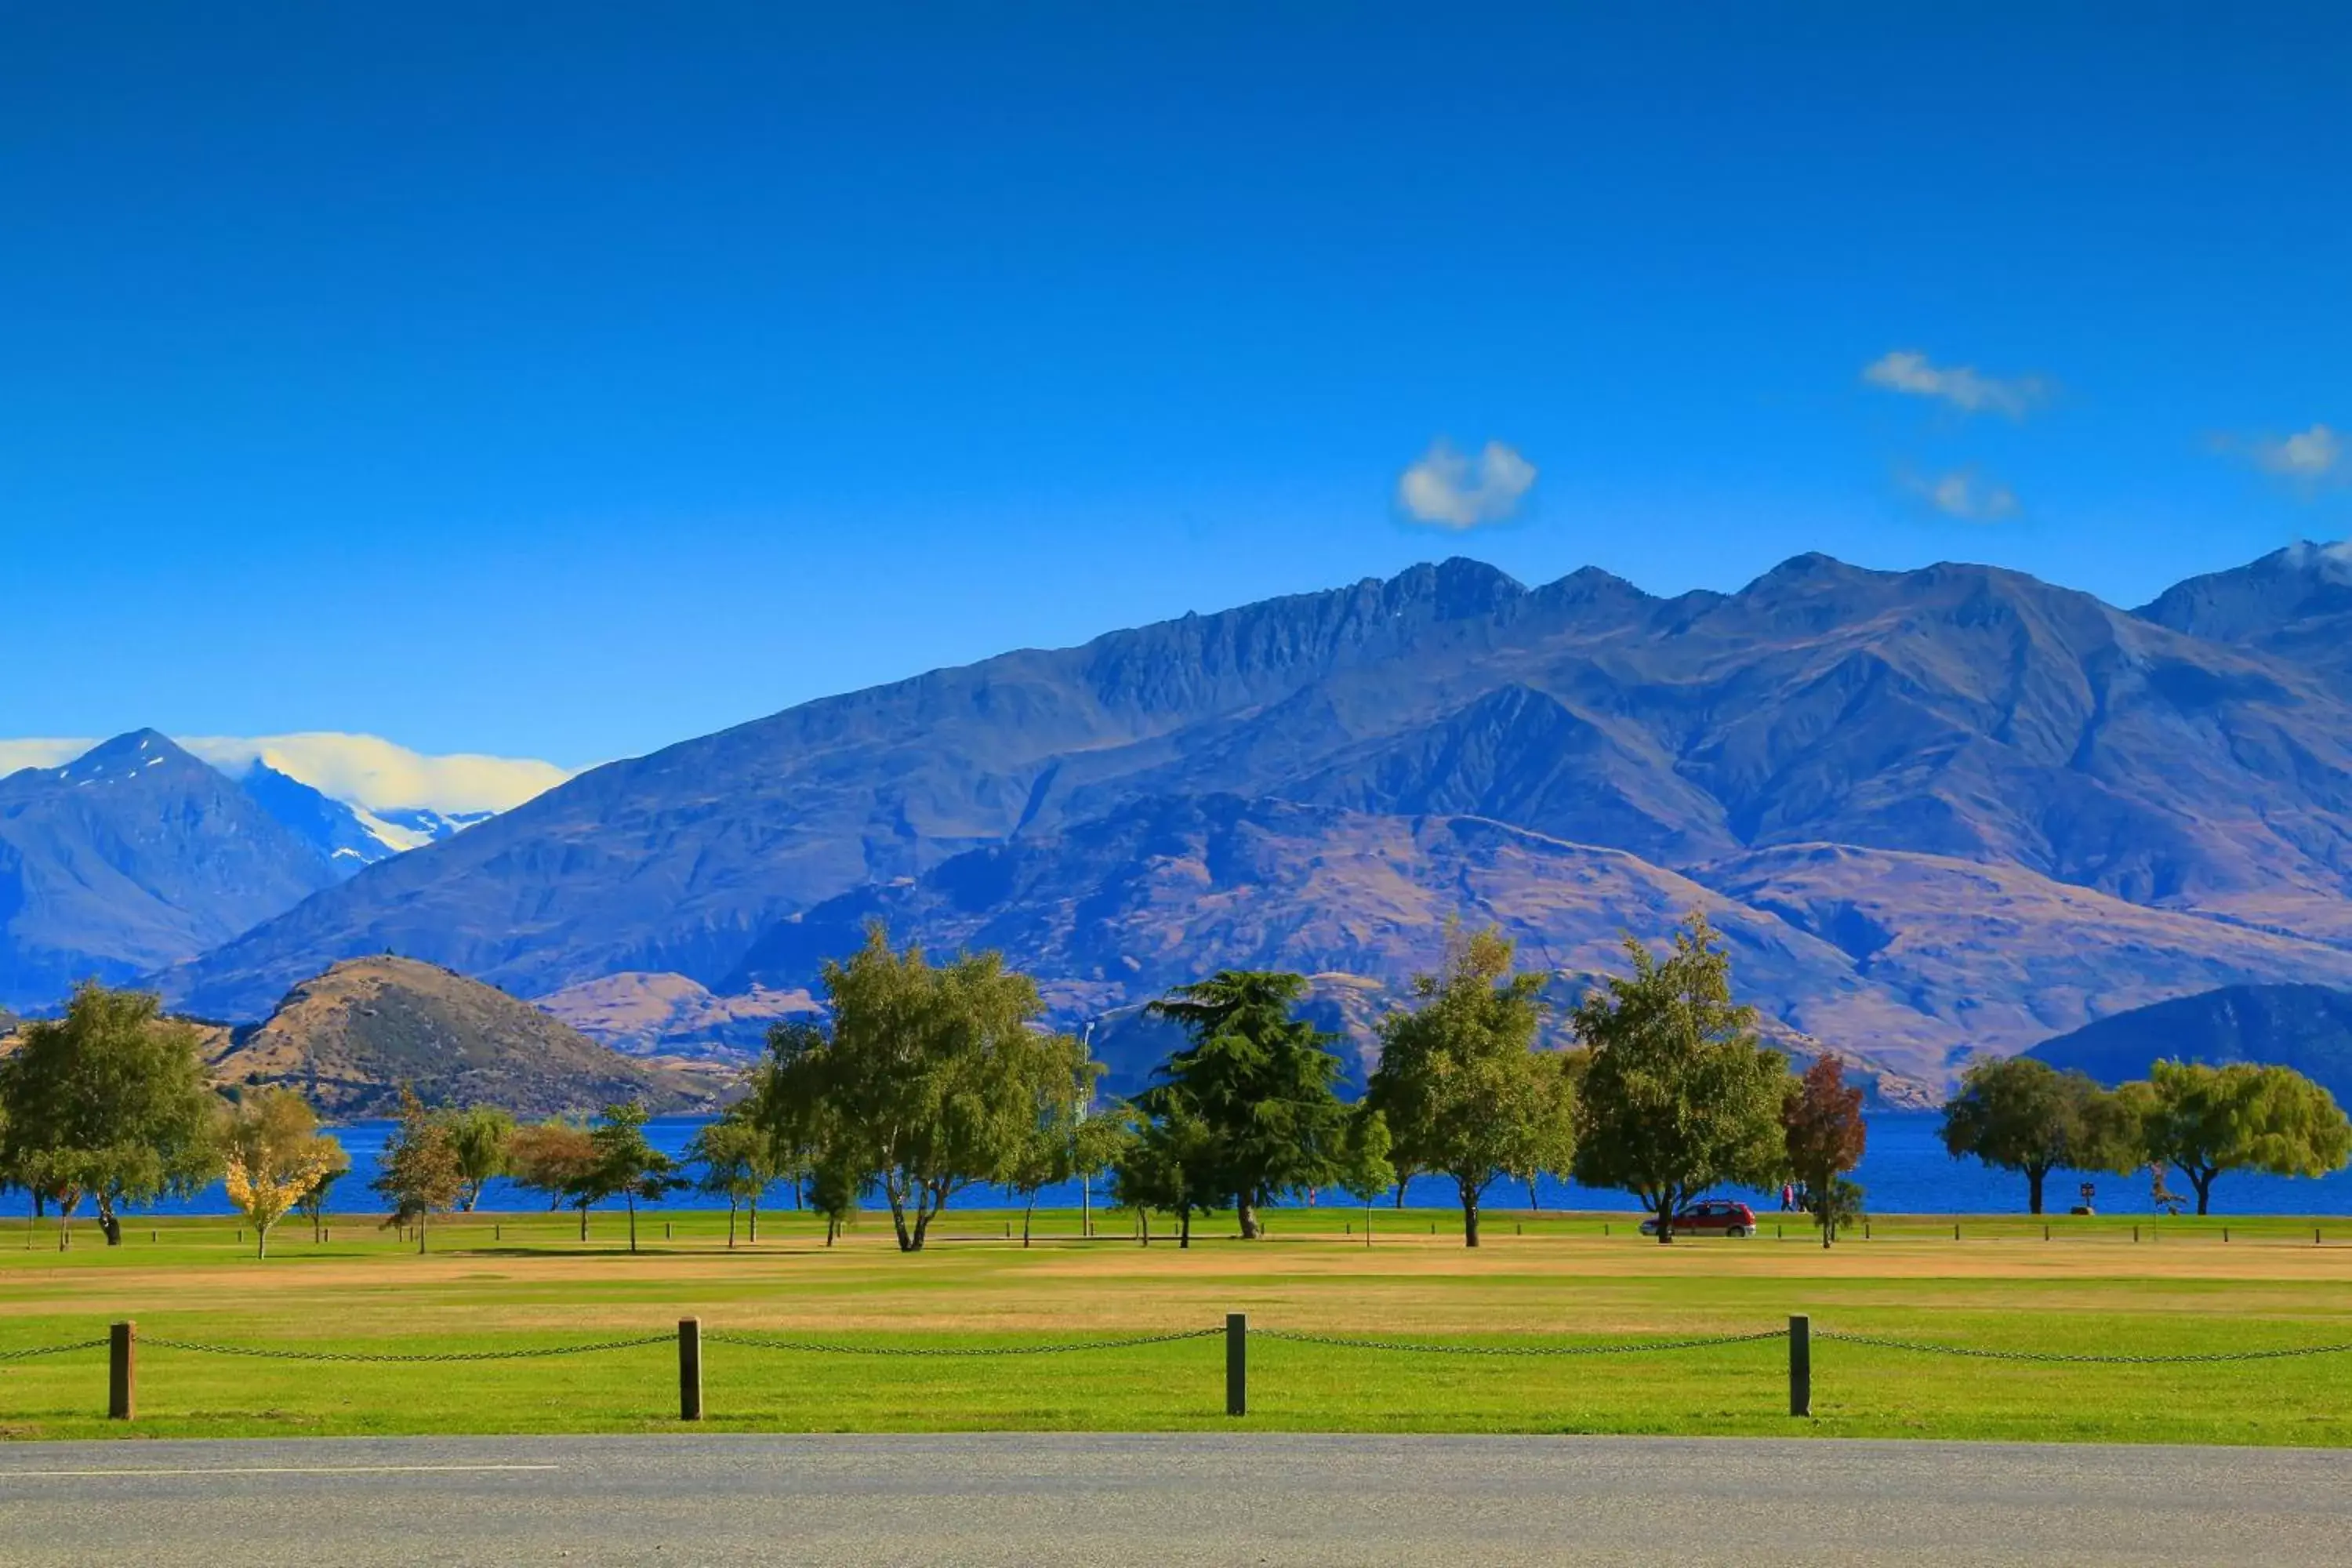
<point>1463,1090</point>
<point>108,1104</point>
<point>1259,1080</point>
<point>2243,1117</point>
<point>1679,1093</point>
<point>2023,1115</point>
<point>930,1081</point>
<point>1166,1162</point>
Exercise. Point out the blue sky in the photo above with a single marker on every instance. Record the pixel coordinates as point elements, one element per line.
<point>562,381</point>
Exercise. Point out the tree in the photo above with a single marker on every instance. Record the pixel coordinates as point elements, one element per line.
<point>1462,1089</point>
<point>1046,1149</point>
<point>107,1103</point>
<point>1259,1081</point>
<point>738,1162</point>
<point>554,1158</point>
<point>1822,1126</point>
<point>2243,1117</point>
<point>312,1204</point>
<point>930,1081</point>
<point>1679,1093</point>
<point>274,1157</point>
<point>1366,1169</point>
<point>481,1135</point>
<point>627,1165</point>
<point>1169,1162</point>
<point>419,1175</point>
<point>832,1194</point>
<point>1094,1148</point>
<point>2024,1115</point>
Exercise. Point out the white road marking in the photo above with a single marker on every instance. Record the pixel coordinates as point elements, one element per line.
<point>272,1470</point>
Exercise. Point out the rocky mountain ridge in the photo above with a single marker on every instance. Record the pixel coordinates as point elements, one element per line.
<point>1938,812</point>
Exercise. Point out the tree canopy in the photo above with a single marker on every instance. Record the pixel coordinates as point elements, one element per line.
<point>480,1136</point>
<point>2207,1121</point>
<point>1823,1129</point>
<point>1259,1082</point>
<point>1463,1090</point>
<point>2020,1114</point>
<point>275,1157</point>
<point>930,1081</point>
<point>624,1164</point>
<point>418,1175</point>
<point>1679,1093</point>
<point>107,1103</point>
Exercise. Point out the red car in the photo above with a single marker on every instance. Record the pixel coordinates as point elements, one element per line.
<point>1715,1217</point>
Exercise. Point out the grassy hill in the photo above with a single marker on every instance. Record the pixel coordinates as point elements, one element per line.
<point>350,1036</point>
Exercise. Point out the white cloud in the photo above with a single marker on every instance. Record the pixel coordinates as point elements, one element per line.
<point>2308,454</point>
<point>374,772</point>
<point>1963,386</point>
<point>1448,490</point>
<point>37,753</point>
<point>1964,494</point>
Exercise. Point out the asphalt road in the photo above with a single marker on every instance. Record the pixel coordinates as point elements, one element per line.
<point>1144,1502</point>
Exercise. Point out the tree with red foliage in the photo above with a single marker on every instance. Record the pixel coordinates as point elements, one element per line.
<point>1823,1120</point>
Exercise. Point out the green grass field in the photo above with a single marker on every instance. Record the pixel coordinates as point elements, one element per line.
<point>526,1281</point>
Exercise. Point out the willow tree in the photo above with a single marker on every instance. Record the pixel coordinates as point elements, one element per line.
<point>2243,1117</point>
<point>929,1082</point>
<point>1464,1091</point>
<point>1679,1094</point>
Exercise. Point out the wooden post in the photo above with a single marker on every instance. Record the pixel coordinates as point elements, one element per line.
<point>497,1230</point>
<point>1237,1364</point>
<point>1955,1230</point>
<point>666,1235</point>
<point>690,1369</point>
<point>1800,1364</point>
<point>2135,1235</point>
<point>122,1372</point>
<point>2045,1233</point>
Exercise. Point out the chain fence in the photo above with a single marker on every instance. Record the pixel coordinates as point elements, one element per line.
<point>276,1353</point>
<point>1341,1341</point>
<point>32,1351</point>
<point>816,1347</point>
<point>2070,1359</point>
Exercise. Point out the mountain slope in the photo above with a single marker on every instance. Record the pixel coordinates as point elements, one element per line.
<point>349,1038</point>
<point>2306,1027</point>
<point>2293,603</point>
<point>1961,713</point>
<point>134,856</point>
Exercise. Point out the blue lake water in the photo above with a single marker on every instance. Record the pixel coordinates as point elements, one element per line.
<point>1905,1170</point>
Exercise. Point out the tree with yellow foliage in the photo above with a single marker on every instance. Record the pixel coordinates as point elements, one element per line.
<point>275,1153</point>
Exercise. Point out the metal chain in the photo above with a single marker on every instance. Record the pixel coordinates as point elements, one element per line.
<point>2098,1360</point>
<point>51,1350</point>
<point>535,1353</point>
<point>1519,1350</point>
<point>753,1341</point>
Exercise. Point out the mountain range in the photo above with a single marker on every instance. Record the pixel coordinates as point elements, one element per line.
<point>136,855</point>
<point>1936,813</point>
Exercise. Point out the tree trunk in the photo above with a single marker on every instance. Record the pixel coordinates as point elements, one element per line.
<point>1143,1216</point>
<point>1469,1216</point>
<point>1666,1206</point>
<point>2203,1183</point>
<point>754,1238</point>
<point>110,1222</point>
<point>1535,1199</point>
<point>583,1222</point>
<point>1185,1227</point>
<point>420,1236</point>
<point>261,1241</point>
<point>2034,1175</point>
<point>632,1203</point>
<point>730,1224</point>
<point>1248,1213</point>
<point>1028,1214</point>
<point>1368,1224</point>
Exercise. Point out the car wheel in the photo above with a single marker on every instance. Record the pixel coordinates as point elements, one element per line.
<point>1736,1232</point>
